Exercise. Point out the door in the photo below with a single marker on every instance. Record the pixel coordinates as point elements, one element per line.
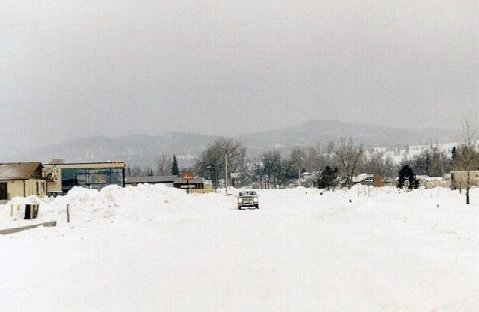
<point>3,191</point>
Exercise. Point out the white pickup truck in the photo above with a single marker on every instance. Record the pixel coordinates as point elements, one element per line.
<point>248,199</point>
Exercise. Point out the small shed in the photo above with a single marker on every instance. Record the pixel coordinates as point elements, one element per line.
<point>21,179</point>
<point>364,179</point>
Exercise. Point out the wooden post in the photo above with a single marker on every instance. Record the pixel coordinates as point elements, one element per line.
<point>68,212</point>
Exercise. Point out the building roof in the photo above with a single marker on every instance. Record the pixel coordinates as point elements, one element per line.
<point>87,165</point>
<point>195,180</point>
<point>362,177</point>
<point>18,171</point>
<point>150,179</point>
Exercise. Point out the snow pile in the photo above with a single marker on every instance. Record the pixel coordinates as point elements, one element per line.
<point>144,203</point>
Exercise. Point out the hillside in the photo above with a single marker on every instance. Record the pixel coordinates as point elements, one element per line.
<point>142,149</point>
<point>324,131</point>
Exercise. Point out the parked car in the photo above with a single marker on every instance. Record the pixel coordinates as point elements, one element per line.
<point>248,199</point>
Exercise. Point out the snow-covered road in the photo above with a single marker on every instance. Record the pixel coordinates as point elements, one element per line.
<point>156,249</point>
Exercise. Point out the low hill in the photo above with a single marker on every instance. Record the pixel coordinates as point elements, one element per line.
<point>141,150</point>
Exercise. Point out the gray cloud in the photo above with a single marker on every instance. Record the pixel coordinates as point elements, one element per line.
<point>81,68</point>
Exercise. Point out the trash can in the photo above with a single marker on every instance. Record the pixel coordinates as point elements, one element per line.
<point>31,211</point>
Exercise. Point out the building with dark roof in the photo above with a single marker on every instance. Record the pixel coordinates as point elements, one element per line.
<point>151,180</point>
<point>197,183</point>
<point>21,179</point>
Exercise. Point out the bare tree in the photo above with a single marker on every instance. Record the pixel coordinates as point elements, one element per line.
<point>136,171</point>
<point>298,158</point>
<point>224,155</point>
<point>349,158</point>
<point>272,168</point>
<point>377,163</point>
<point>330,148</point>
<point>258,174</point>
<point>466,153</point>
<point>311,158</point>
<point>163,165</point>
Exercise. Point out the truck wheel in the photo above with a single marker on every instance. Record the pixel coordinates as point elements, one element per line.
<point>239,207</point>
<point>257,206</point>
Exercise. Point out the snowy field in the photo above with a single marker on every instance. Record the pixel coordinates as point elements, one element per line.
<point>153,248</point>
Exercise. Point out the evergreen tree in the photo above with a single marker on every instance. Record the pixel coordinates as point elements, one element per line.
<point>406,173</point>
<point>174,168</point>
<point>328,179</point>
<point>454,157</point>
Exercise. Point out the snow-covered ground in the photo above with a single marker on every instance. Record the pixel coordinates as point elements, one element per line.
<point>153,248</point>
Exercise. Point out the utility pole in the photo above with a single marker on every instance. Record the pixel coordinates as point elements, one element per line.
<point>226,173</point>
<point>299,170</point>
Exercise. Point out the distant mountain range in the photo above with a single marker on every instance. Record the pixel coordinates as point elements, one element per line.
<point>142,149</point>
<point>323,131</point>
<point>139,150</point>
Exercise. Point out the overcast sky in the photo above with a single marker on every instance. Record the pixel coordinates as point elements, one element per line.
<point>81,68</point>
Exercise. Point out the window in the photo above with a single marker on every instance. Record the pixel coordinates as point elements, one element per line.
<point>91,178</point>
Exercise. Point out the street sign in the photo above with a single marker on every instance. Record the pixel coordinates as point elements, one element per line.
<point>190,186</point>
<point>187,175</point>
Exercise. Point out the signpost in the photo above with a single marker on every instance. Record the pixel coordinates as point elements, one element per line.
<point>187,176</point>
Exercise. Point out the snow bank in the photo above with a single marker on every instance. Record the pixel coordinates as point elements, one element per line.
<point>144,203</point>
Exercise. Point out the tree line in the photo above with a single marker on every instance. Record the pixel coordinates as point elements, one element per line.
<point>163,166</point>
<point>342,159</point>
<point>272,169</point>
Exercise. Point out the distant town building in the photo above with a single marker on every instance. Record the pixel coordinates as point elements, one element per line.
<point>167,180</point>
<point>364,178</point>
<point>196,183</point>
<point>62,177</point>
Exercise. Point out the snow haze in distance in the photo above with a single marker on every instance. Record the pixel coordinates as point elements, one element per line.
<point>72,69</point>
